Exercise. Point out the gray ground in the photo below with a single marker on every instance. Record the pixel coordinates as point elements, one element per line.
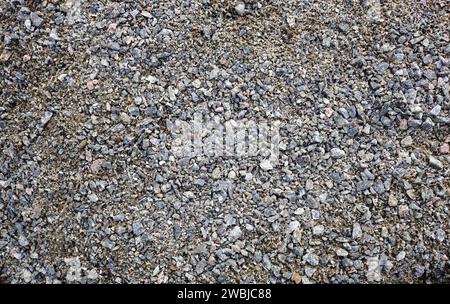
<point>89,190</point>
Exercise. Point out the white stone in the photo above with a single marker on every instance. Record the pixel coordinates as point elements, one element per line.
<point>400,256</point>
<point>240,8</point>
<point>266,165</point>
<point>318,230</point>
<point>373,272</point>
<point>26,275</point>
<point>293,226</point>
<point>341,252</point>
<point>235,233</point>
<point>435,163</point>
<point>337,153</point>
<point>357,231</point>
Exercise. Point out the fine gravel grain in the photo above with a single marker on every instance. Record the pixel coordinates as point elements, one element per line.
<point>91,193</point>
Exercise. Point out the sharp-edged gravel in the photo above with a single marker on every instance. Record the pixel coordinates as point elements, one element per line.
<point>90,191</point>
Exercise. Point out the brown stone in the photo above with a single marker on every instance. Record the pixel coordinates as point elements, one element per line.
<point>296,278</point>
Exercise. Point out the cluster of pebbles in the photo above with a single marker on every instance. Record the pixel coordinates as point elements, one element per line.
<point>90,191</point>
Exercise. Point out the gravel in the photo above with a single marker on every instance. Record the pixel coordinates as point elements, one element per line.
<point>240,9</point>
<point>435,163</point>
<point>91,190</point>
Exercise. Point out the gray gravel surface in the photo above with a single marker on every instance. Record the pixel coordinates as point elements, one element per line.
<point>89,189</point>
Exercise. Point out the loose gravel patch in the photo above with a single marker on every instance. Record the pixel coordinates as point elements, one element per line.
<point>90,191</point>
